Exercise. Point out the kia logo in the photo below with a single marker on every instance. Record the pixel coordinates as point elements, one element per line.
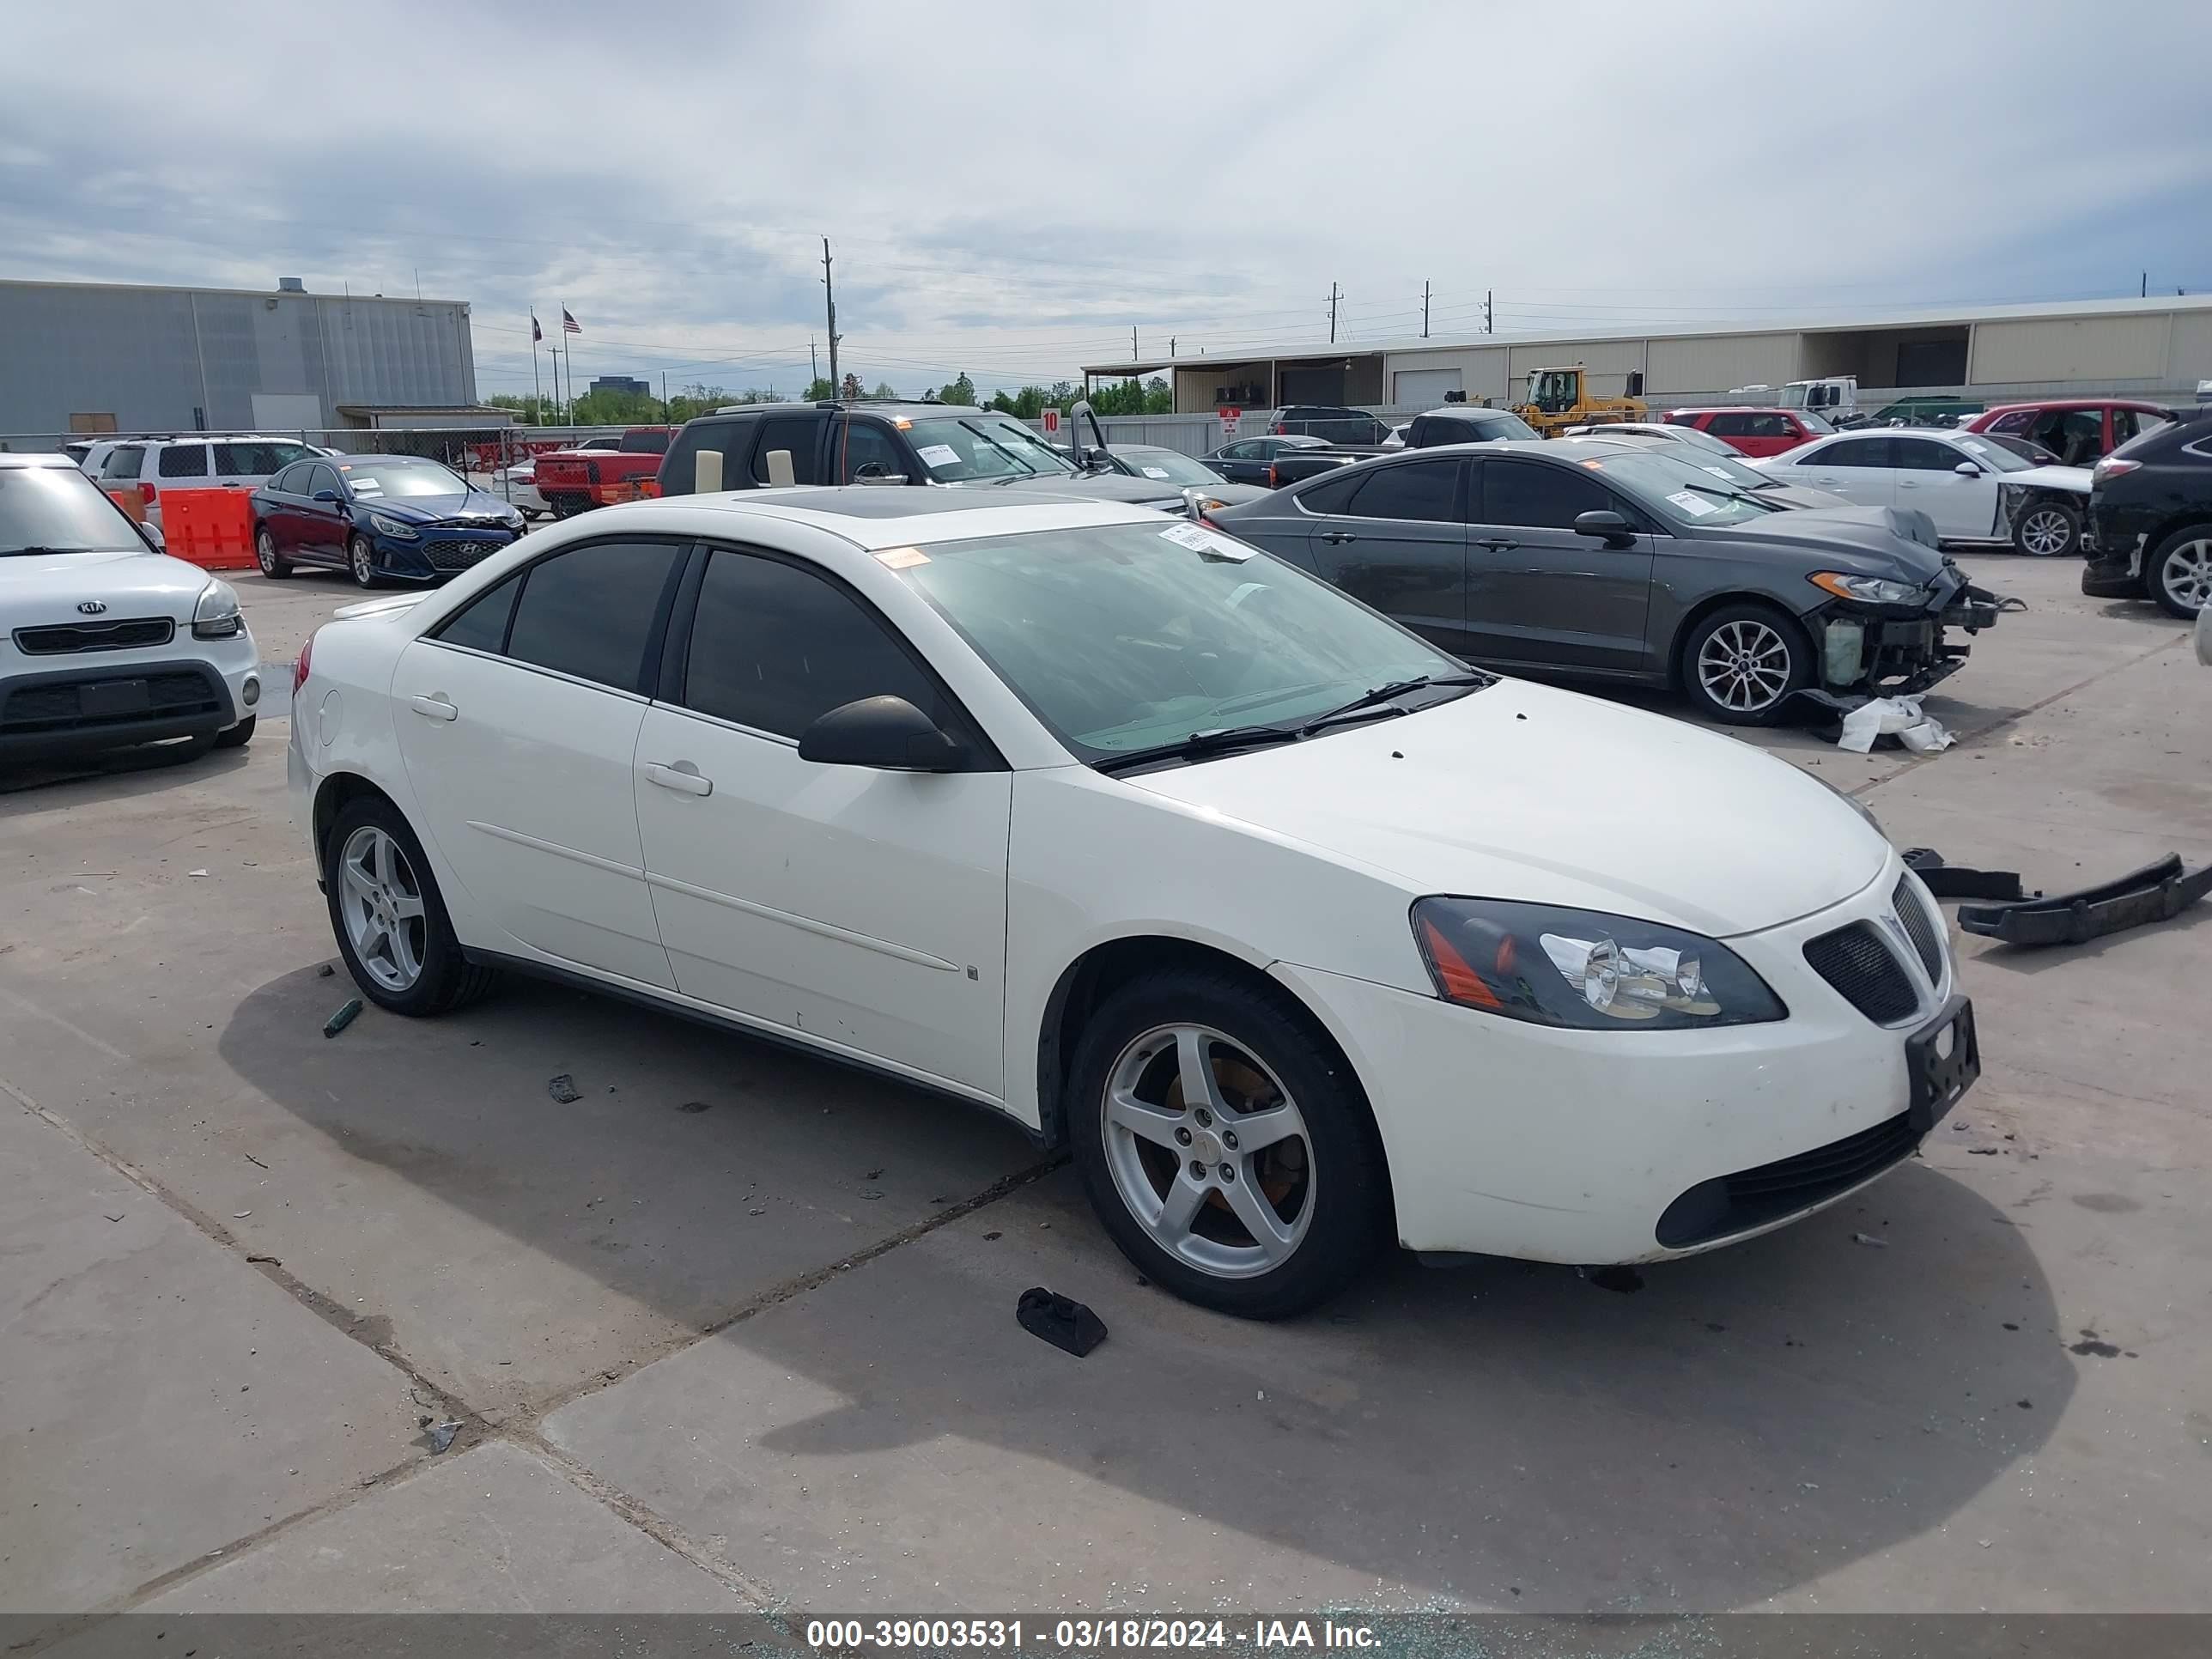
<point>91,607</point>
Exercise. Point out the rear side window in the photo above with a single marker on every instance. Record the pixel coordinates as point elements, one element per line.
<point>732,440</point>
<point>183,461</point>
<point>124,461</point>
<point>644,443</point>
<point>1924,455</point>
<point>252,460</point>
<point>1732,426</point>
<point>796,433</point>
<point>1425,490</point>
<point>293,480</point>
<point>482,624</point>
<point>590,612</point>
<point>776,648</point>
<point>2016,422</point>
<point>1853,451</point>
<point>1538,496</point>
<point>1331,494</point>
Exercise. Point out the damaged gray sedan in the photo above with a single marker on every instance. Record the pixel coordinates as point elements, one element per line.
<point>1633,567</point>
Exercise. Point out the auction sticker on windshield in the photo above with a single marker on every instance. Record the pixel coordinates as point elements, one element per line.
<point>939,454</point>
<point>1696,506</point>
<point>1156,472</point>
<point>1718,472</point>
<point>1199,539</point>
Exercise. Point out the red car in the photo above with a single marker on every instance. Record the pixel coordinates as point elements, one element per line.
<point>1754,431</point>
<point>2079,431</point>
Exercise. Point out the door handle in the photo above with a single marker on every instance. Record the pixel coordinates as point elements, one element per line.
<point>682,776</point>
<point>1498,547</point>
<point>1337,538</point>
<point>437,708</point>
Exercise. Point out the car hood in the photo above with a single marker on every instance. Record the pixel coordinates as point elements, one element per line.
<point>1867,541</point>
<point>1523,790</point>
<point>439,509</point>
<point>1801,495</point>
<point>37,588</point>
<point>2074,479</point>
<point>1099,487</point>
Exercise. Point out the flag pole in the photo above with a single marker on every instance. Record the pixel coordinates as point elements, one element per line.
<point>537,392</point>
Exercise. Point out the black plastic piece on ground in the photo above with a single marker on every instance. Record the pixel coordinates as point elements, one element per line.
<point>2153,893</point>
<point>1060,1320</point>
<point>1958,881</point>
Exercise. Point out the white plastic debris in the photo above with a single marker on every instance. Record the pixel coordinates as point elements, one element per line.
<point>1922,733</point>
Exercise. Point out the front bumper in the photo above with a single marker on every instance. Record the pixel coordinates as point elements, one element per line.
<point>90,703</point>
<point>2114,574</point>
<point>440,551</point>
<point>1508,1139</point>
<point>1899,650</point>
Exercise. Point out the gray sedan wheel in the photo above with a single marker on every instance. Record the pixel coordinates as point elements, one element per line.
<point>2047,529</point>
<point>1741,664</point>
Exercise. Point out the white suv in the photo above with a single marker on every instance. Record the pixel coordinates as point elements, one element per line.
<point>242,461</point>
<point>105,641</point>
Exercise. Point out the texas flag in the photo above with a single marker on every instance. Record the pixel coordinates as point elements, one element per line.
<point>536,333</point>
<point>569,325</point>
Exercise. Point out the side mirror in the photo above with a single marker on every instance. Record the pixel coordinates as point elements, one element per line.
<point>1967,469</point>
<point>872,472</point>
<point>154,537</point>
<point>326,495</point>
<point>889,733</point>
<point>1609,527</point>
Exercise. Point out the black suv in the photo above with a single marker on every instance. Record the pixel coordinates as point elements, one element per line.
<point>2149,534</point>
<point>1332,422</point>
<point>888,443</point>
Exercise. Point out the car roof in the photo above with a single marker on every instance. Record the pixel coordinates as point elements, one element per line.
<point>2074,403</point>
<point>1468,409</point>
<point>876,516</point>
<point>10,459</point>
<point>899,409</point>
<point>1734,409</point>
<point>402,461</point>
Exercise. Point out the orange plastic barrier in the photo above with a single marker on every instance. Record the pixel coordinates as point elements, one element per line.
<point>210,528</point>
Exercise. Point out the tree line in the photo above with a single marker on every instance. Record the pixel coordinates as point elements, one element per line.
<point>608,408</point>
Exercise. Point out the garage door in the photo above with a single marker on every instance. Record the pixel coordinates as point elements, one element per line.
<point>1422,388</point>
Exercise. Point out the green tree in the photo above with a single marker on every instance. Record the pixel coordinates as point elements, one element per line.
<point>884,389</point>
<point>820,390</point>
<point>962,390</point>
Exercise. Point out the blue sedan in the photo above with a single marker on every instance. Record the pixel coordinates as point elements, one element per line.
<point>381,517</point>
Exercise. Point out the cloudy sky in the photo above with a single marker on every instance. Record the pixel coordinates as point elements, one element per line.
<point>1010,189</point>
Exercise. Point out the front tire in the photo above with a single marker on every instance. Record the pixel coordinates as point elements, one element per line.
<point>389,918</point>
<point>360,560</point>
<point>2178,575</point>
<point>1741,664</point>
<point>1225,1144</point>
<point>264,555</point>
<point>2048,529</point>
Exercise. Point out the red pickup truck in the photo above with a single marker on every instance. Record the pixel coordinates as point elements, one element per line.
<point>575,481</point>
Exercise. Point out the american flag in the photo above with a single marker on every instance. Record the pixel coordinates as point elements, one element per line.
<point>569,325</point>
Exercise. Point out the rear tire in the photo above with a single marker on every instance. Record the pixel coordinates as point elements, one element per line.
<point>2048,529</point>
<point>1317,1188</point>
<point>361,560</point>
<point>238,735</point>
<point>2178,575</point>
<point>442,977</point>
<point>264,555</point>
<point>1741,664</point>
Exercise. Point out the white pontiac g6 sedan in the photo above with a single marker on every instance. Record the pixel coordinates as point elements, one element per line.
<point>1306,936</point>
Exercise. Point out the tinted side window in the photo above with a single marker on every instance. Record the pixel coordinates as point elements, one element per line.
<point>589,612</point>
<point>644,443</point>
<point>1733,426</point>
<point>1538,496</point>
<point>1426,490</point>
<point>322,476</point>
<point>2018,420</point>
<point>248,460</point>
<point>865,450</point>
<point>183,461</point>
<point>732,440</point>
<point>1331,494</point>
<point>1244,449</point>
<point>1924,455</point>
<point>293,480</point>
<point>776,648</point>
<point>123,462</point>
<point>1773,426</point>
<point>1853,451</point>
<point>796,433</point>
<point>483,623</point>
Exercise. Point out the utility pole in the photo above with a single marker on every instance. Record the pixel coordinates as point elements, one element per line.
<point>2145,292</point>
<point>1332,297</point>
<point>1133,342</point>
<point>664,398</point>
<point>1425,311</point>
<point>1171,340</point>
<point>829,296</point>
<point>813,362</point>
<point>1486,293</point>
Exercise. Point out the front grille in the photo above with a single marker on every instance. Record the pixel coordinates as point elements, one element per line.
<point>62,638</point>
<point>57,705</point>
<point>459,555</point>
<point>1752,1198</point>
<point>1925,932</point>
<point>1865,972</point>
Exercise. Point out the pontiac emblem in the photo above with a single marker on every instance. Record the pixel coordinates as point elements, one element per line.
<point>91,607</point>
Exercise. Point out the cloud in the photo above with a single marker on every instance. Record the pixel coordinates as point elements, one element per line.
<point>1010,191</point>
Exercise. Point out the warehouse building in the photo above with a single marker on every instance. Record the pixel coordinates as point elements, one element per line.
<point>2155,347</point>
<point>99,357</point>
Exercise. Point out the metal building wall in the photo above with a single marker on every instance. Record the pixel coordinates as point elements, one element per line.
<point>173,359</point>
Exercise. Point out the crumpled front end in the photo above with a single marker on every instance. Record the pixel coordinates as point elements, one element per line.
<point>1898,650</point>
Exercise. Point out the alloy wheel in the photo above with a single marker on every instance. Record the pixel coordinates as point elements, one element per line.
<point>2045,532</point>
<point>265,552</point>
<point>364,563</point>
<point>2186,574</point>
<point>381,900</point>
<point>1208,1150</point>
<point>1744,665</point>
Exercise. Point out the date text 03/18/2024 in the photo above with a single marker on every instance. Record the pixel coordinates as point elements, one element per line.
<point>1084,1635</point>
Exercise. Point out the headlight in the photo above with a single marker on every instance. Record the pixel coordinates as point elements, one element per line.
<point>215,616</point>
<point>1873,590</point>
<point>1585,970</point>
<point>392,527</point>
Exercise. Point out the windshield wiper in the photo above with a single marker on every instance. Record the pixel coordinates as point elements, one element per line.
<point>10,552</point>
<point>1382,693</point>
<point>1198,744</point>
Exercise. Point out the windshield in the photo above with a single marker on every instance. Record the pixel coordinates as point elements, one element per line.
<point>56,509</point>
<point>1815,422</point>
<point>1682,491</point>
<point>1725,466</point>
<point>1169,465</point>
<point>1122,636</point>
<point>1996,457</point>
<point>1553,389</point>
<point>387,480</point>
<point>984,447</point>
